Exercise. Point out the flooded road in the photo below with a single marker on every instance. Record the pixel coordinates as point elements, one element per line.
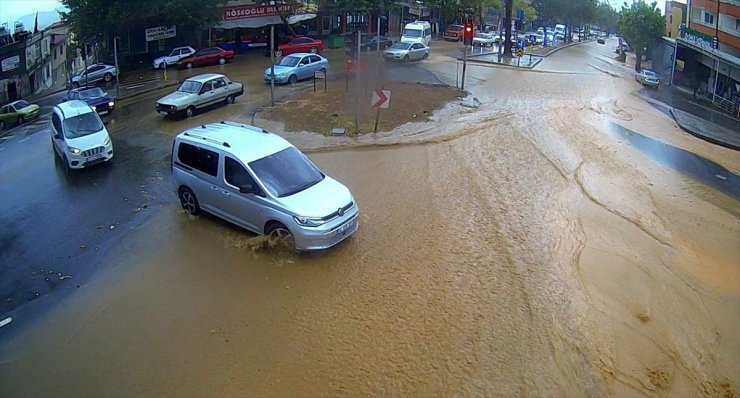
<point>519,249</point>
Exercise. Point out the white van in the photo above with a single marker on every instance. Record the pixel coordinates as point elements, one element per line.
<point>417,32</point>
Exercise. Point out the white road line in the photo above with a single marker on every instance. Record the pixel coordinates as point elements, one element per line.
<point>25,139</point>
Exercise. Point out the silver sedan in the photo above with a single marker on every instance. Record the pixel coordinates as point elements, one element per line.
<point>406,52</point>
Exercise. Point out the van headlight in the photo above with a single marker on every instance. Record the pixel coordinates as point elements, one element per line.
<point>309,221</point>
<point>111,104</point>
<point>74,151</point>
<point>107,141</point>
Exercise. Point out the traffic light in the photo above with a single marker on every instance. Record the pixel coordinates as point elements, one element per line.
<point>468,34</point>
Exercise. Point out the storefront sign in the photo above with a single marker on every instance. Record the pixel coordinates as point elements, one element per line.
<point>11,63</point>
<point>254,11</point>
<point>696,37</point>
<point>160,32</point>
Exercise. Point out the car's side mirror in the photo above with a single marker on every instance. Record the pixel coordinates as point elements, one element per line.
<point>248,188</point>
<point>231,83</point>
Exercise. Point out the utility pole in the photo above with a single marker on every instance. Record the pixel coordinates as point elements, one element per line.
<point>272,65</point>
<point>84,56</point>
<point>118,71</point>
<point>357,84</point>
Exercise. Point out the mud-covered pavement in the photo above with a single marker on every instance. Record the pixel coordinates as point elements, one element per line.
<point>523,248</point>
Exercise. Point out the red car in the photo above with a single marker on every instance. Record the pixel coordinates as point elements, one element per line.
<point>300,45</point>
<point>207,56</point>
<point>453,33</point>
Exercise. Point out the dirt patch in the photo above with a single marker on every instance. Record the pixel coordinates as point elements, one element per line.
<point>659,378</point>
<point>320,112</point>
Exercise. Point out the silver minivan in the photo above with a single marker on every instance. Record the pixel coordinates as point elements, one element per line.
<point>259,181</point>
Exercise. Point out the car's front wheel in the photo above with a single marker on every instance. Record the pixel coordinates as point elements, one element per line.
<point>189,65</point>
<point>75,84</point>
<point>406,58</point>
<point>293,79</point>
<point>279,235</point>
<point>108,77</point>
<point>161,65</point>
<point>278,53</point>
<point>229,99</point>
<point>189,202</point>
<point>426,55</point>
<point>190,111</point>
<point>20,120</point>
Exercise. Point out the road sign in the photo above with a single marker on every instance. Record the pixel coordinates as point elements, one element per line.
<point>520,52</point>
<point>520,15</point>
<point>381,99</point>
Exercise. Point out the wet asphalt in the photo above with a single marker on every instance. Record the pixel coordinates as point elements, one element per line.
<point>58,225</point>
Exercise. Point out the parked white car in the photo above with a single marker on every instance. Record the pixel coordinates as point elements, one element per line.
<point>175,56</point>
<point>78,136</point>
<point>484,39</point>
<point>199,92</point>
<point>95,73</point>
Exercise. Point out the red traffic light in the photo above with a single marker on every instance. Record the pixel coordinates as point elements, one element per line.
<point>468,34</point>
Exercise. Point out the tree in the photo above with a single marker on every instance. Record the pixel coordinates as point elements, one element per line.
<point>92,18</point>
<point>286,9</point>
<point>606,17</point>
<point>641,24</point>
<point>508,7</point>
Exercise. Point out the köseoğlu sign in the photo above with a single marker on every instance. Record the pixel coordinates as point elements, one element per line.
<point>254,11</point>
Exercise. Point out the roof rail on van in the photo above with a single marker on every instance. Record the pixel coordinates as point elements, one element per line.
<point>248,127</point>
<point>207,139</point>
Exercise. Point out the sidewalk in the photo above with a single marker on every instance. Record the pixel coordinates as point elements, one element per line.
<point>699,119</point>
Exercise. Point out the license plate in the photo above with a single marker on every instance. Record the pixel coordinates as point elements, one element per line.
<point>93,158</point>
<point>346,227</point>
<point>102,112</point>
<point>163,112</point>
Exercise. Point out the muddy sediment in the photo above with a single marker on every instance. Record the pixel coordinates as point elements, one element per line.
<point>520,250</point>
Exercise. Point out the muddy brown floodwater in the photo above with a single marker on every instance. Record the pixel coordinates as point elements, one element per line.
<point>525,251</point>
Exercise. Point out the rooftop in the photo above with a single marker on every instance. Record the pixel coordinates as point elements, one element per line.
<point>74,108</point>
<point>205,77</point>
<point>246,142</point>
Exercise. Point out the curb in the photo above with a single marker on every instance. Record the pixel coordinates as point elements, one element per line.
<point>700,134</point>
<point>148,90</point>
<point>554,50</point>
<point>541,57</point>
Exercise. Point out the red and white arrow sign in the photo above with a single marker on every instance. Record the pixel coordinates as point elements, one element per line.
<point>381,99</point>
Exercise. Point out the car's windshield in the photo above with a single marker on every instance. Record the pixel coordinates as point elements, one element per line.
<point>649,73</point>
<point>92,93</point>
<point>412,33</point>
<point>21,104</point>
<point>289,61</point>
<point>286,172</point>
<point>189,86</point>
<point>82,125</point>
<point>481,35</point>
<point>401,46</point>
<point>455,28</point>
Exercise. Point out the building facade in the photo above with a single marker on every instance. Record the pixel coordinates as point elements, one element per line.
<point>706,53</point>
<point>675,16</point>
<point>719,19</point>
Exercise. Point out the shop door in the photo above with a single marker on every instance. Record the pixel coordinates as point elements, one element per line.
<point>12,91</point>
<point>325,25</point>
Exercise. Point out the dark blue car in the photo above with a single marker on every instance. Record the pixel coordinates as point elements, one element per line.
<point>95,97</point>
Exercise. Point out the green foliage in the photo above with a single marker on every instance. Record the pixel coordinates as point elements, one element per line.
<point>566,11</point>
<point>641,24</point>
<point>606,17</point>
<point>360,6</point>
<point>90,18</point>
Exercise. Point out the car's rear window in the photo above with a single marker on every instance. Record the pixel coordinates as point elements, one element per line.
<point>198,158</point>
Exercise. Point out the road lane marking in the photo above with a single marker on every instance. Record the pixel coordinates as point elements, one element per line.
<point>25,139</point>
